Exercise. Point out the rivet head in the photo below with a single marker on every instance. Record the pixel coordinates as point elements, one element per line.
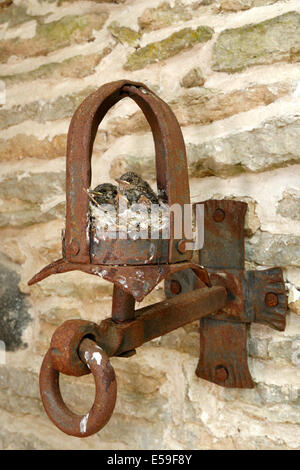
<point>221,373</point>
<point>74,247</point>
<point>219,215</point>
<point>271,299</point>
<point>175,287</point>
<point>181,246</point>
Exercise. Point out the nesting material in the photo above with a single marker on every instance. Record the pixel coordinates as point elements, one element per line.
<point>135,212</point>
<point>134,221</point>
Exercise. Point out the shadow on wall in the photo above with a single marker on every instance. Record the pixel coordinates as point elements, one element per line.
<point>14,316</point>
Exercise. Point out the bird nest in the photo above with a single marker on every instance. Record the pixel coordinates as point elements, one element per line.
<point>130,210</point>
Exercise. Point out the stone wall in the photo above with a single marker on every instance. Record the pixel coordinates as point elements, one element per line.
<point>230,71</point>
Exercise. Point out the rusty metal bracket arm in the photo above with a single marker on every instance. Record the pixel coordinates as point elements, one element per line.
<point>156,320</point>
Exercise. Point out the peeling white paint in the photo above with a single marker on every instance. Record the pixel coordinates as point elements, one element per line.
<point>83,423</point>
<point>97,357</point>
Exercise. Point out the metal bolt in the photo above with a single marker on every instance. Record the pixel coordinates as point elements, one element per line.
<point>219,215</point>
<point>74,247</point>
<point>221,373</point>
<point>271,299</point>
<point>181,246</point>
<point>175,287</point>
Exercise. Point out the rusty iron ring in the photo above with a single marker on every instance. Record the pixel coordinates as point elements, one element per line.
<point>105,396</point>
<point>65,343</point>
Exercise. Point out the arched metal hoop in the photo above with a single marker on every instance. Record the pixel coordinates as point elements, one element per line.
<point>105,396</point>
<point>171,164</point>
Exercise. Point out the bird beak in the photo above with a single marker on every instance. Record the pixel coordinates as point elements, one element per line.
<point>123,184</point>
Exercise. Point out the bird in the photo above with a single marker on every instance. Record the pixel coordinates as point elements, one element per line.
<point>135,189</point>
<point>104,193</point>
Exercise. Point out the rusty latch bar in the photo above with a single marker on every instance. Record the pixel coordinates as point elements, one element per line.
<point>161,318</point>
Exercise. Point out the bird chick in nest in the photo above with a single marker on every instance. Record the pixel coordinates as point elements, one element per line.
<point>104,193</point>
<point>117,208</point>
<point>135,189</point>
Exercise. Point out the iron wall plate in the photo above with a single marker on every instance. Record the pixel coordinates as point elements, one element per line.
<point>253,296</point>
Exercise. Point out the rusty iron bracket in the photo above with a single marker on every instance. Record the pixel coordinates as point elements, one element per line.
<point>135,267</point>
<point>253,296</point>
<point>220,294</point>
